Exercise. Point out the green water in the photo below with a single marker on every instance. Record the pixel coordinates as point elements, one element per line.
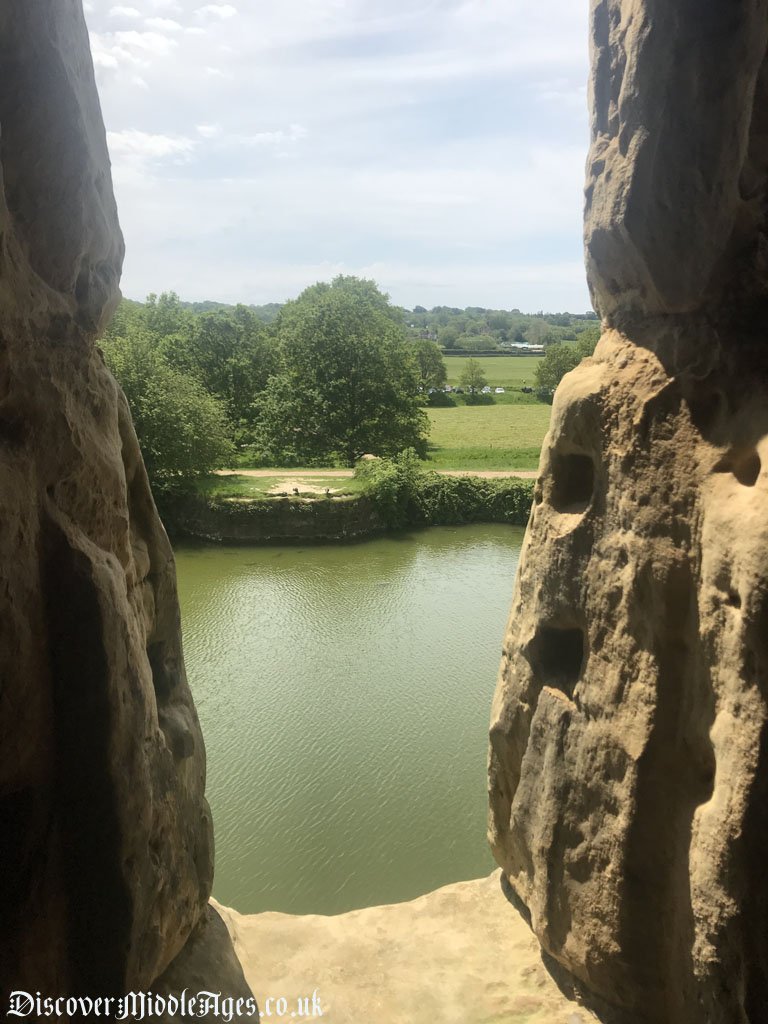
<point>344,694</point>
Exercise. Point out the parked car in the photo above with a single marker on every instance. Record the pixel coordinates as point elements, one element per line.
<point>458,391</point>
<point>527,391</point>
<point>501,391</point>
<point>486,390</point>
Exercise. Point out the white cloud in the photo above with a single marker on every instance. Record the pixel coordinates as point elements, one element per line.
<point>208,131</point>
<point>150,43</point>
<point>452,234</point>
<point>102,57</point>
<point>133,146</point>
<point>124,12</point>
<point>293,133</point>
<point>479,283</point>
<point>113,51</point>
<point>163,25</point>
<point>222,11</point>
<point>446,150</point>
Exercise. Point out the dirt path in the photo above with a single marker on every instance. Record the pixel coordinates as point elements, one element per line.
<point>281,473</point>
<point>486,474</point>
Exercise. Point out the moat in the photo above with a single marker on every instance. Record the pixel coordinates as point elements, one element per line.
<point>344,694</point>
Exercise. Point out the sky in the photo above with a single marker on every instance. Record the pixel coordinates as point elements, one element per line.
<point>436,146</point>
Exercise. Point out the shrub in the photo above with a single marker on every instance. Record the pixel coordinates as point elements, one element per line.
<point>404,494</point>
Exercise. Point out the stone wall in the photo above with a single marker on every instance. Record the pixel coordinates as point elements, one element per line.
<point>106,849</point>
<point>629,733</point>
<point>271,520</point>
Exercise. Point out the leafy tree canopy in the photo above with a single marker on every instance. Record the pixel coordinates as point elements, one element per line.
<point>560,359</point>
<point>472,377</point>
<point>431,365</point>
<point>347,382</point>
<point>586,340</point>
<point>230,352</point>
<point>476,342</point>
<point>227,350</point>
<point>165,315</point>
<point>449,336</point>
<point>182,429</point>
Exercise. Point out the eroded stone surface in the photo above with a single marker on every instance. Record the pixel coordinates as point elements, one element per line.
<point>676,175</point>
<point>629,733</point>
<point>207,963</point>
<point>105,833</point>
<point>456,956</point>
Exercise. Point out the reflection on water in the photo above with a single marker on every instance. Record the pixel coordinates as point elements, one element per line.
<point>344,694</point>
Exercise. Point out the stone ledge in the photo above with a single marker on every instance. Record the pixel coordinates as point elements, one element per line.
<point>459,955</point>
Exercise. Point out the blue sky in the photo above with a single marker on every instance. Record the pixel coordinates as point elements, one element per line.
<point>437,146</point>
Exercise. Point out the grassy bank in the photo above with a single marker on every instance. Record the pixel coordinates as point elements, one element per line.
<point>384,495</point>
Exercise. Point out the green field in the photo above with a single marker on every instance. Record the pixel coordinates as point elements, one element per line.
<point>488,436</point>
<point>501,371</point>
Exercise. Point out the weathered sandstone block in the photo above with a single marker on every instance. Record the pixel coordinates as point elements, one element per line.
<point>106,853</point>
<point>629,733</point>
<point>676,175</point>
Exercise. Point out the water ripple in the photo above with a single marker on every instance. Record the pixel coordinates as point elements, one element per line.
<point>344,694</point>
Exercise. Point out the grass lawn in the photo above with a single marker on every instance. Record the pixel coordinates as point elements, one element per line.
<point>239,486</point>
<point>488,436</point>
<point>501,371</point>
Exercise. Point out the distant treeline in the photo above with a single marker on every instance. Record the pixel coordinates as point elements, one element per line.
<point>473,329</point>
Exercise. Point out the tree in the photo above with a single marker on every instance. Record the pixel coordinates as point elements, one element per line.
<point>347,382</point>
<point>231,354</point>
<point>362,289</point>
<point>472,377</point>
<point>498,320</point>
<point>477,342</point>
<point>587,340</point>
<point>182,430</point>
<point>128,316</point>
<point>558,360</point>
<point>537,332</point>
<point>448,336</point>
<point>165,315</point>
<point>429,358</point>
